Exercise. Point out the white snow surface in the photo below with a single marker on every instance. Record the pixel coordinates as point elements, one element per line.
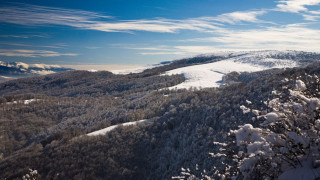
<point>110,128</point>
<point>305,172</point>
<point>93,70</point>
<point>300,85</point>
<point>211,74</point>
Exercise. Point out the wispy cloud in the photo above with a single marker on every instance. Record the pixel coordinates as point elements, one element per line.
<point>240,16</point>
<point>32,53</point>
<point>162,53</point>
<point>93,47</point>
<point>157,25</point>
<point>296,6</point>
<point>176,50</point>
<point>39,15</point>
<point>315,12</point>
<point>149,48</point>
<point>294,36</point>
<point>222,36</point>
<point>53,46</point>
<point>312,16</point>
<point>24,36</point>
<point>308,17</point>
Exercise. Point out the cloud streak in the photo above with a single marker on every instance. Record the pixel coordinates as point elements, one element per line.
<point>287,37</point>
<point>238,17</point>
<point>312,16</point>
<point>155,25</point>
<point>53,46</point>
<point>42,15</point>
<point>23,36</point>
<point>296,6</point>
<point>32,53</point>
<point>222,37</point>
<point>30,15</point>
<point>176,50</point>
<point>293,36</point>
<point>308,17</point>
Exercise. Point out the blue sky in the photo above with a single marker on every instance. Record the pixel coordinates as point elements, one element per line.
<point>139,32</point>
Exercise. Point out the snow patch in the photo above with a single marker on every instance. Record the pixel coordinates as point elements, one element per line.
<point>305,172</point>
<point>248,132</point>
<point>300,85</point>
<point>210,74</point>
<point>28,101</point>
<point>272,117</point>
<point>92,70</point>
<point>110,128</point>
<point>244,109</point>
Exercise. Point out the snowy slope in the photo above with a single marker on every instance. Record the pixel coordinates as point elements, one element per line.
<point>210,74</point>
<point>307,171</point>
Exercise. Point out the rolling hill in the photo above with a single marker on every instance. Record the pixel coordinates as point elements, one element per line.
<point>146,128</point>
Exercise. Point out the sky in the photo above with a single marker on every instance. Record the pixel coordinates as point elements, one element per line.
<point>141,32</point>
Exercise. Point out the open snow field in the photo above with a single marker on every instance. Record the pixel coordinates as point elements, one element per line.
<point>210,74</point>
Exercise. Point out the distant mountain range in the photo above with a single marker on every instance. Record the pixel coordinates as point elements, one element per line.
<point>20,69</point>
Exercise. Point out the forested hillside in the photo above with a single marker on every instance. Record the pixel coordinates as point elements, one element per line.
<point>85,83</point>
<point>44,121</point>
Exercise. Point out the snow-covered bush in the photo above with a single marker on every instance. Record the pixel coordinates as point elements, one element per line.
<point>32,175</point>
<point>287,138</point>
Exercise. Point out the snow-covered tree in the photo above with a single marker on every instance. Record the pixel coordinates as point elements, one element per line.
<point>32,175</point>
<point>287,141</point>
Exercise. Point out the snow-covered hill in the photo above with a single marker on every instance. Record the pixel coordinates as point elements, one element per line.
<point>211,74</point>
